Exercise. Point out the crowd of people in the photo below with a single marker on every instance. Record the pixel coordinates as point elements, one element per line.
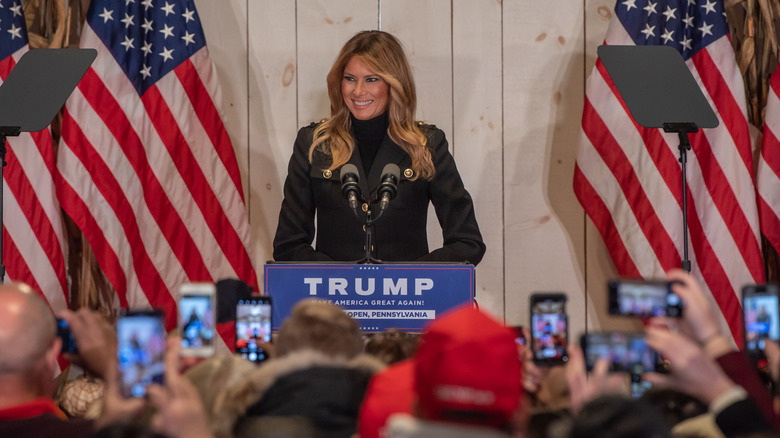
<point>465,376</point>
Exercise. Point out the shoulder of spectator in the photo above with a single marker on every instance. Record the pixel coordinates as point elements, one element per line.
<point>736,414</point>
<point>237,395</point>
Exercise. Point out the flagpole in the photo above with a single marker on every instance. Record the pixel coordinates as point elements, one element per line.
<point>9,131</point>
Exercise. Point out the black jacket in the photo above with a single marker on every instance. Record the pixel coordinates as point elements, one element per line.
<point>323,391</point>
<point>400,234</point>
<point>744,418</point>
<point>45,426</point>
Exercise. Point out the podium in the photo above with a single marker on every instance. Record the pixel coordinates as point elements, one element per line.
<point>404,296</point>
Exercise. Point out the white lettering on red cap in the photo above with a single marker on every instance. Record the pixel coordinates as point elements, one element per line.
<point>465,395</point>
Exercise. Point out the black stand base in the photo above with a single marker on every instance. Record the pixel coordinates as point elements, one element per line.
<point>369,261</point>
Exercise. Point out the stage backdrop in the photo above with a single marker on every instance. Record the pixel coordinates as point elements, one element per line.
<point>503,79</point>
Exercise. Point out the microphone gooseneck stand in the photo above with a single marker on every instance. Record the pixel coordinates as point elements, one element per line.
<point>368,226</point>
<point>387,191</point>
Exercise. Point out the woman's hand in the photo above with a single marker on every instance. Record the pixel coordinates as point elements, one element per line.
<point>532,374</point>
<point>698,320</point>
<point>581,388</point>
<point>96,341</point>
<point>691,371</point>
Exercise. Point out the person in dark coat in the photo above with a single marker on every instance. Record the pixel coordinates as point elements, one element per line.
<point>316,381</point>
<point>373,100</point>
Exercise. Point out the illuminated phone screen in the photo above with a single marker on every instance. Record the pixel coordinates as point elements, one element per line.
<point>196,319</point>
<point>141,351</point>
<point>253,326</point>
<point>549,329</point>
<point>761,320</point>
<point>643,298</point>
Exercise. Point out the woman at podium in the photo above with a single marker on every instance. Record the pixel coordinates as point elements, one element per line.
<point>372,103</point>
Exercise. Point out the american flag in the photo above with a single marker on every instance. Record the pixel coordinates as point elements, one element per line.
<point>146,168</point>
<point>768,173</point>
<point>628,178</point>
<point>33,242</point>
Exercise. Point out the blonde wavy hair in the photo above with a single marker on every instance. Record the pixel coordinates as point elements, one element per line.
<point>382,53</point>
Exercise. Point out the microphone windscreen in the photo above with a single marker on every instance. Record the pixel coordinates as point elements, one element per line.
<point>350,169</point>
<point>391,169</point>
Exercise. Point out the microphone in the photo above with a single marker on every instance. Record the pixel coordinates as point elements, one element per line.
<point>349,184</point>
<point>388,188</point>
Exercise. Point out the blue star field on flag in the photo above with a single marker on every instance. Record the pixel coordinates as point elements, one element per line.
<point>13,30</point>
<point>686,25</point>
<point>148,38</point>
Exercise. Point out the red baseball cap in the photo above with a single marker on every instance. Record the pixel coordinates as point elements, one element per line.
<point>468,371</point>
<point>389,391</point>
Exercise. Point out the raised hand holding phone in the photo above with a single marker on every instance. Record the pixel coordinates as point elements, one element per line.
<point>691,371</point>
<point>583,389</point>
<point>92,339</point>
<point>699,321</point>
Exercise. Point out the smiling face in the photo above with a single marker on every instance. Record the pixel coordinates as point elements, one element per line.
<point>365,93</point>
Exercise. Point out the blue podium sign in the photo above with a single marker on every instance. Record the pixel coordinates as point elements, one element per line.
<point>381,297</point>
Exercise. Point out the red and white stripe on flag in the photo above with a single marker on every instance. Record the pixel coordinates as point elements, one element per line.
<point>146,169</point>
<point>33,240</point>
<point>628,178</point>
<point>768,172</point>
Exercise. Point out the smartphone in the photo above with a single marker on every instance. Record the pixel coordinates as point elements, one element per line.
<point>549,328</point>
<point>197,302</point>
<point>253,327</point>
<point>141,351</point>
<point>627,352</point>
<point>760,317</point>
<point>643,298</point>
<point>68,340</point>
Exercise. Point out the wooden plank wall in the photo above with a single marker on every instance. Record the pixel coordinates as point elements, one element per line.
<point>503,79</point>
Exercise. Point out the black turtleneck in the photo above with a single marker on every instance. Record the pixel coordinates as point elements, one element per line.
<point>368,137</point>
